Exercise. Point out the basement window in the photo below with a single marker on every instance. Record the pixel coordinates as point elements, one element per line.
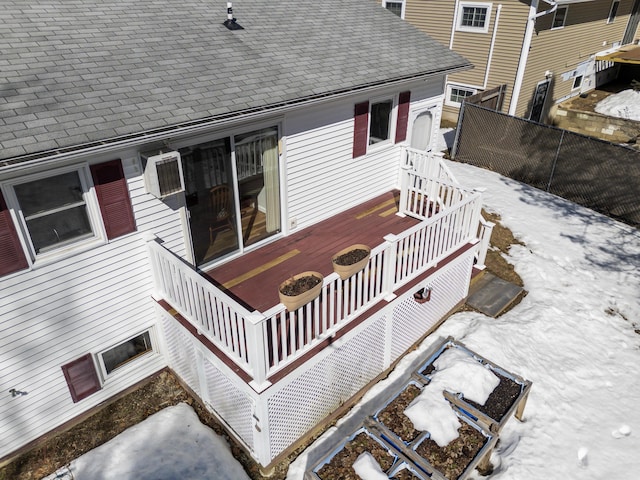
<point>126,352</point>
<point>577,82</point>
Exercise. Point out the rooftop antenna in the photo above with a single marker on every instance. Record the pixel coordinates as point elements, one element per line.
<point>230,22</point>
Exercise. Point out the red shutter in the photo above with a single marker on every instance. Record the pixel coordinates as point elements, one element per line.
<point>360,129</point>
<point>81,377</point>
<point>113,197</point>
<point>403,116</point>
<point>12,257</point>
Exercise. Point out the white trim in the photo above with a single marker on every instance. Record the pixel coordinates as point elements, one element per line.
<point>154,350</point>
<point>393,115</point>
<point>555,14</point>
<point>577,87</point>
<point>615,3</point>
<point>460,16</point>
<point>65,249</point>
<point>459,86</point>
<point>402,2</point>
<point>494,34</point>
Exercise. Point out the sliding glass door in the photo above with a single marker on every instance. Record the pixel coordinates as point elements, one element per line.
<point>233,192</point>
<point>256,155</point>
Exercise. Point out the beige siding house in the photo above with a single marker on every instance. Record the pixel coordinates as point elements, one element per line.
<point>544,51</point>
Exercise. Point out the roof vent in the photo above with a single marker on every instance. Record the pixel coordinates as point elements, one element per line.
<point>230,22</point>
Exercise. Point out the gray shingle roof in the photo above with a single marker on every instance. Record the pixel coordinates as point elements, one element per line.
<point>81,71</point>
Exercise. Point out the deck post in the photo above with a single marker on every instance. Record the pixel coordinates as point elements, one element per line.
<point>404,183</point>
<point>390,260</point>
<point>484,231</point>
<point>158,283</point>
<point>257,350</point>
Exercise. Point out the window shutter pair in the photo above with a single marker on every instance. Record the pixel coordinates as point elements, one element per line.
<point>361,124</point>
<point>115,207</point>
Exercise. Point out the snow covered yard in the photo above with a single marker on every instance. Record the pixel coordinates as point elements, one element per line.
<point>625,104</point>
<point>575,335</point>
<point>169,445</point>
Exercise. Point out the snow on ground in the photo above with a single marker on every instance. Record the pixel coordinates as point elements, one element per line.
<point>625,104</point>
<point>573,336</point>
<point>169,445</point>
<point>456,372</point>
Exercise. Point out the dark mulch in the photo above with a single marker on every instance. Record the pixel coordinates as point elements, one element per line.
<point>341,465</point>
<point>500,400</point>
<point>300,285</point>
<point>452,459</point>
<point>404,474</point>
<point>351,257</point>
<point>393,417</point>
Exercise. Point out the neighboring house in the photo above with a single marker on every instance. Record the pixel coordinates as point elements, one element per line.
<point>544,51</point>
<point>161,173</point>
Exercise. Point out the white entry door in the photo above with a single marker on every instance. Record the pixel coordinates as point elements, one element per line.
<point>422,131</point>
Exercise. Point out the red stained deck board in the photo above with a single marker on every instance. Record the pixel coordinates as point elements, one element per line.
<point>316,244</point>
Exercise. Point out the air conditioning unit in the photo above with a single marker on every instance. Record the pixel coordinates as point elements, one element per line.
<point>163,173</point>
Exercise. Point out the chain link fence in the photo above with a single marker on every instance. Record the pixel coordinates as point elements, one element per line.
<point>600,175</point>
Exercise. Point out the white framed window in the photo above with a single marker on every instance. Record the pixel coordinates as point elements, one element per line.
<point>126,352</point>
<point>56,210</point>
<point>396,7</point>
<point>457,93</point>
<point>613,11</point>
<point>473,17</point>
<point>380,121</point>
<point>577,82</point>
<point>559,17</point>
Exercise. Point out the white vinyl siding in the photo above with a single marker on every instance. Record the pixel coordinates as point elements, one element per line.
<point>54,314</point>
<point>322,177</point>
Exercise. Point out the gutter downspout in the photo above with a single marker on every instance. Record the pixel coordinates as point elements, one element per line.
<point>492,46</point>
<point>526,46</point>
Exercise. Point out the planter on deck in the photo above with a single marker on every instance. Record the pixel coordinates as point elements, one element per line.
<point>350,260</point>
<point>300,289</point>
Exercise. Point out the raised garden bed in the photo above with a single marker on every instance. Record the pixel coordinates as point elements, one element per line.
<point>404,471</point>
<point>435,447</point>
<point>508,397</point>
<point>458,456</point>
<point>392,415</point>
<point>339,465</point>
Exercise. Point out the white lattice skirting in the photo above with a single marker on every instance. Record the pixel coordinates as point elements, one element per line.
<point>270,422</point>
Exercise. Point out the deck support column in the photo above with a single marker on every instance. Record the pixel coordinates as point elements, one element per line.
<point>404,184</point>
<point>257,350</point>
<point>390,264</point>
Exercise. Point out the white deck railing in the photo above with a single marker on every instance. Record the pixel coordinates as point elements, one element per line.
<point>262,343</point>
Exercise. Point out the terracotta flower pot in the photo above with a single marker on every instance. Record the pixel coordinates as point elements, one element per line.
<point>340,261</point>
<point>293,301</point>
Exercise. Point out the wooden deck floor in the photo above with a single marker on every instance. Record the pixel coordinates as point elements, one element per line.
<point>253,279</point>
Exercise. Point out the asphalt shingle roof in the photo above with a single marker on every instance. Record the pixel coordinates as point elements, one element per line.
<point>80,71</point>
